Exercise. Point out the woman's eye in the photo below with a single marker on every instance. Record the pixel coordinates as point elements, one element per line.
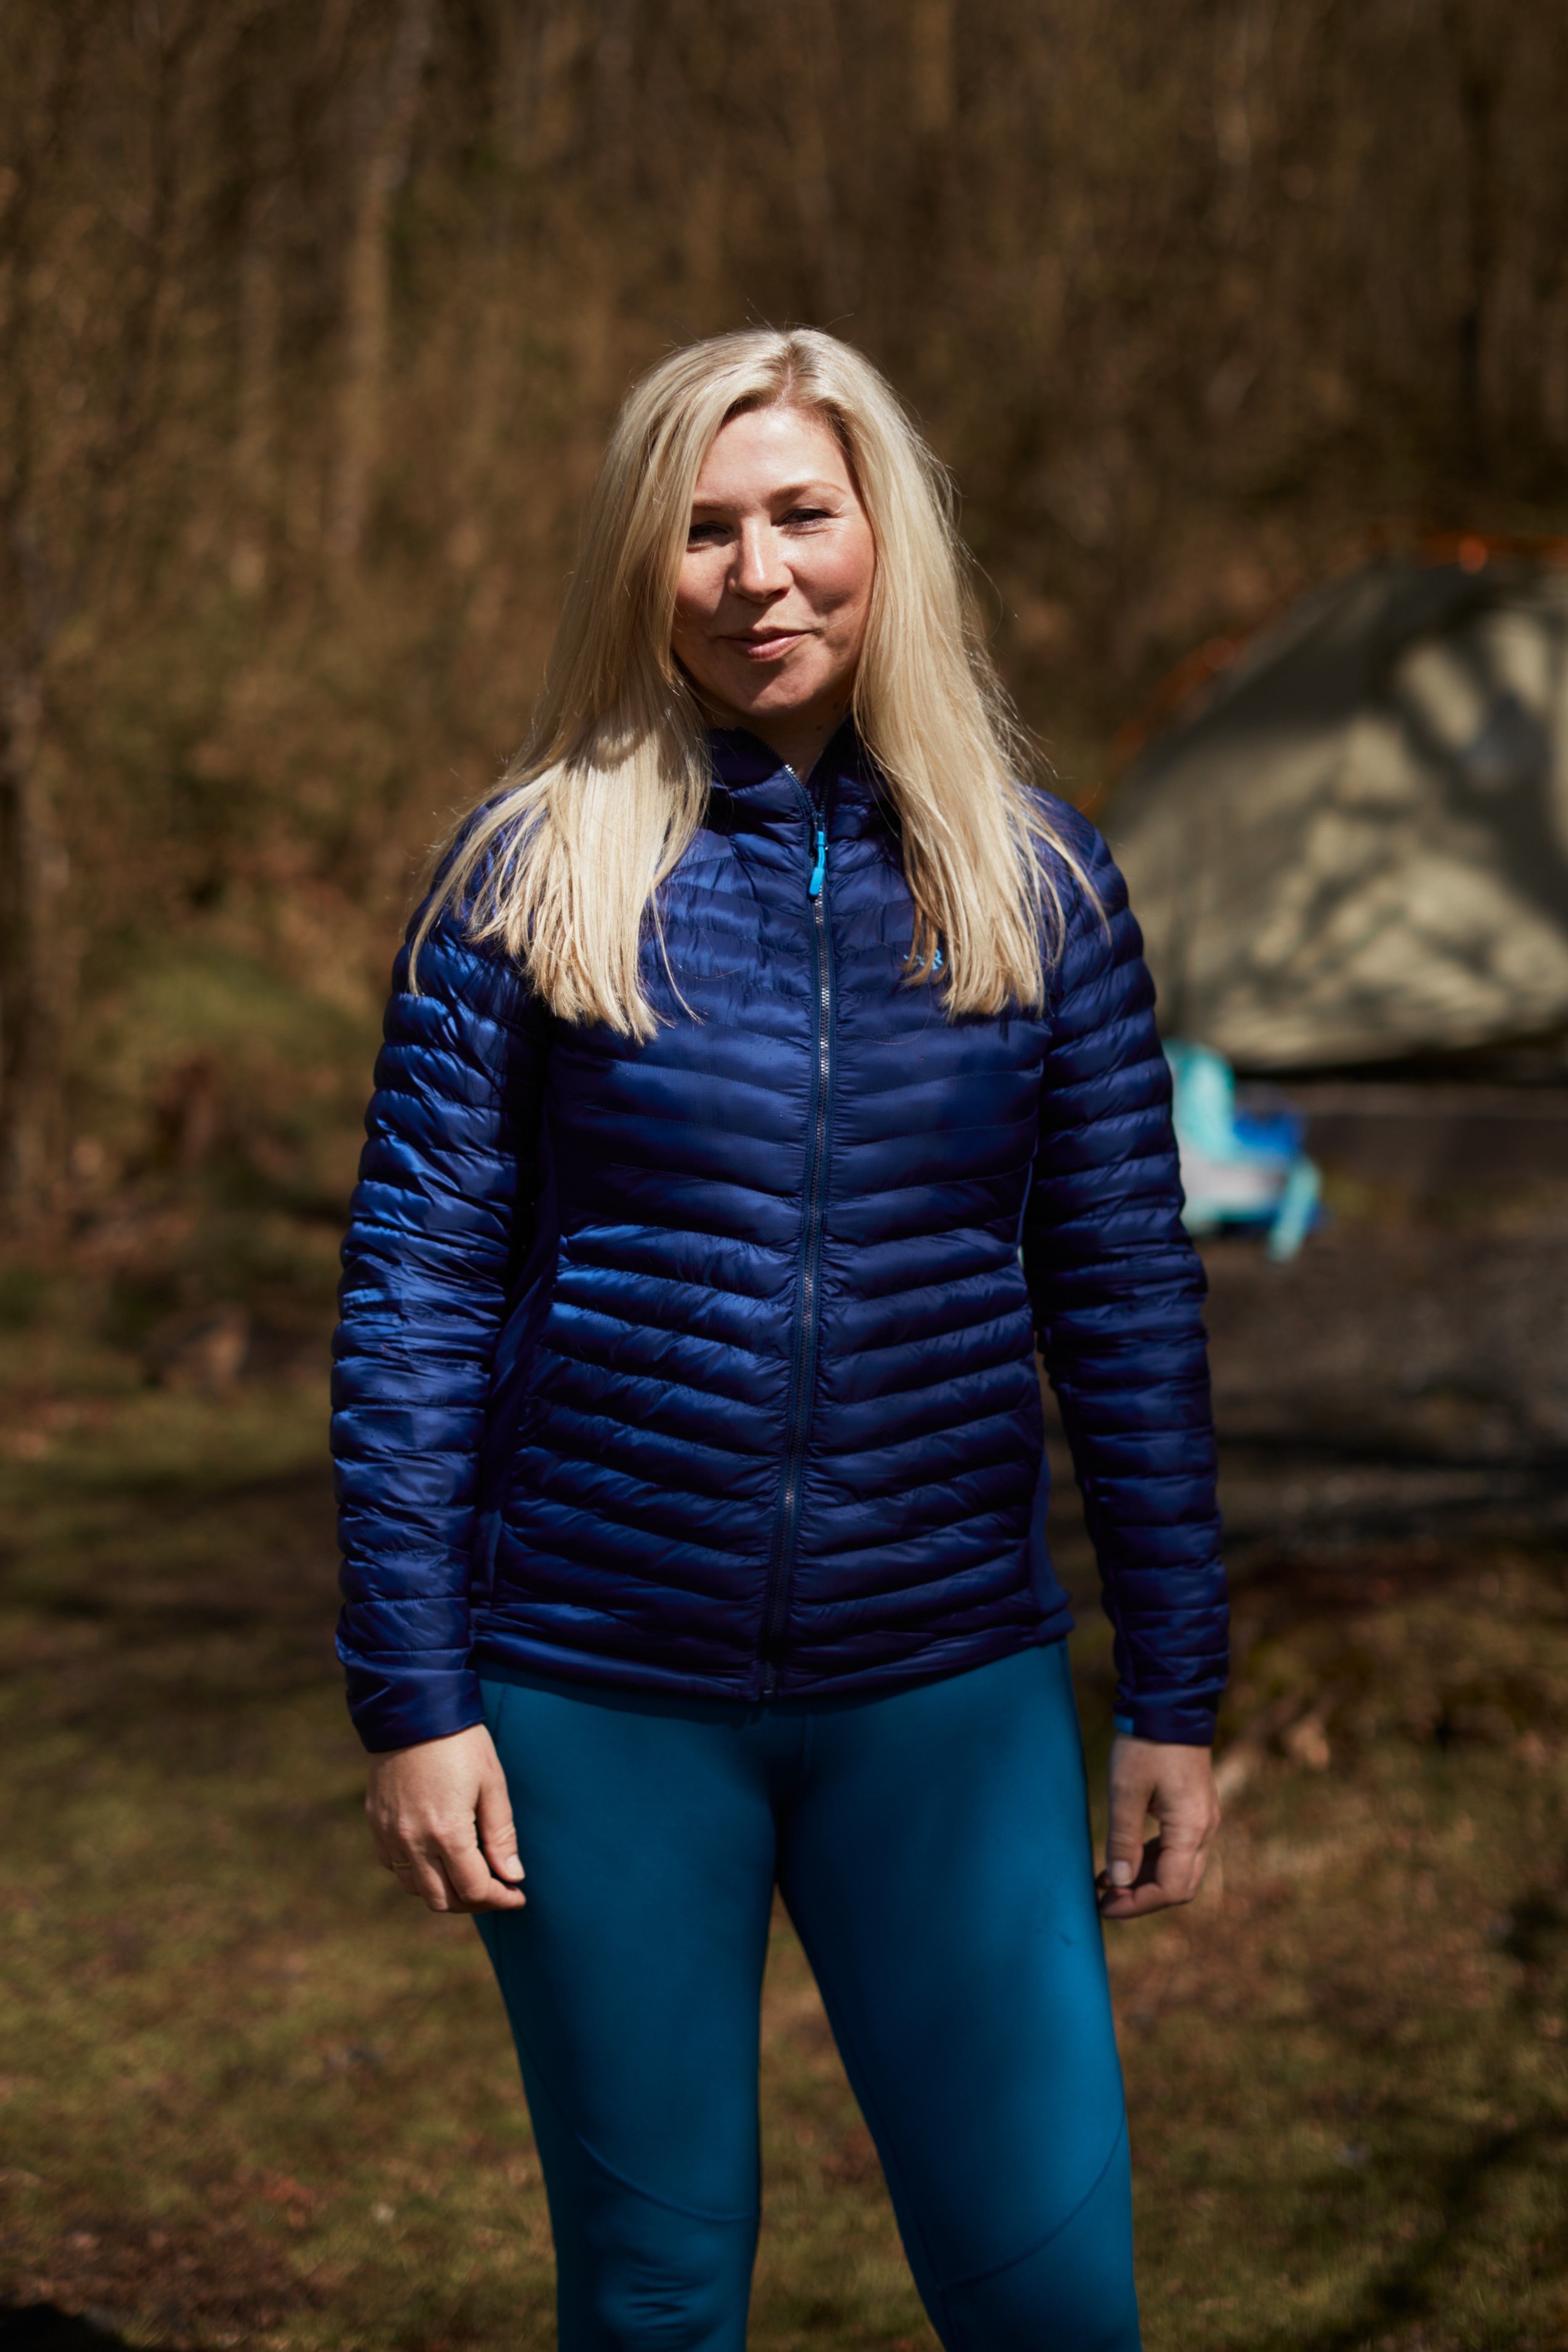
<point>807,514</point>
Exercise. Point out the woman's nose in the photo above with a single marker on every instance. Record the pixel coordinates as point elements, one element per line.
<point>759,570</point>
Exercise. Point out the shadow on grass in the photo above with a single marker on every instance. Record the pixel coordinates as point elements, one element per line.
<point>1414,2288</point>
<point>41,2327</point>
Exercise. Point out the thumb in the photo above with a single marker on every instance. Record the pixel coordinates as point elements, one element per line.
<point>1124,1839</point>
<point>497,1831</point>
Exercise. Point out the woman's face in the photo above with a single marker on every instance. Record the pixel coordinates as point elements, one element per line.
<point>775,585</point>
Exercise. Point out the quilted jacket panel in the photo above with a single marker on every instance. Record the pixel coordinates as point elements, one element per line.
<point>708,1365</point>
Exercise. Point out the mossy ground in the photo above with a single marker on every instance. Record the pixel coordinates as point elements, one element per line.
<point>249,2095</point>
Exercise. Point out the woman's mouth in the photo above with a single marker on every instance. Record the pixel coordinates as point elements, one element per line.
<point>769,647</point>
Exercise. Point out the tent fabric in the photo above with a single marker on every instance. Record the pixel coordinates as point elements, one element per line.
<point>1357,848</point>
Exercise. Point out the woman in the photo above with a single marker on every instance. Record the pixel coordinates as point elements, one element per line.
<point>767,1069</point>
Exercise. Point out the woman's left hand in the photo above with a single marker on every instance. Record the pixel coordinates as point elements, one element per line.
<point>1177,1785</point>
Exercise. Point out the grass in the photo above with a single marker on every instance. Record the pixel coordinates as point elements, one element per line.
<point>248,2095</point>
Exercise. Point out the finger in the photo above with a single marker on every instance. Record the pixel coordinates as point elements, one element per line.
<point>1124,1847</point>
<point>395,1843</point>
<point>394,1852</point>
<point>397,1851</point>
<point>1134,1903</point>
<point>1188,1827</point>
<point>470,1879</point>
<point>415,1865</point>
<point>1180,1869</point>
<point>424,1879</point>
<point>417,1859</point>
<point>425,1869</point>
<point>1166,1878</point>
<point>496,1830</point>
<point>1144,1893</point>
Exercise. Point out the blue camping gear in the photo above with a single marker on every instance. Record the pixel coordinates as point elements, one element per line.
<point>1238,1167</point>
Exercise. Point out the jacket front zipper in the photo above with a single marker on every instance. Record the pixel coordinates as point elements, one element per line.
<point>803,1363</point>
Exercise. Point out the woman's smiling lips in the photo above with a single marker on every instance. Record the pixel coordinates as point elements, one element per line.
<point>769,647</point>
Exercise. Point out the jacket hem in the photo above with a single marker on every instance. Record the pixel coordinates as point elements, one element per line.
<point>495,1654</point>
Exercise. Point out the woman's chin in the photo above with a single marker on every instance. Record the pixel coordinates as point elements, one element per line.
<point>779,698</point>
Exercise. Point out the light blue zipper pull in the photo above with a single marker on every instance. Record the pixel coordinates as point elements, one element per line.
<point>813,887</point>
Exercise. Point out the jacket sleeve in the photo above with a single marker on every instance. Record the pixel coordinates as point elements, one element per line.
<point>433,1241</point>
<point>1118,1292</point>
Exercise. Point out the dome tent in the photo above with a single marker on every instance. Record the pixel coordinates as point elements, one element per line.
<point>1356,850</point>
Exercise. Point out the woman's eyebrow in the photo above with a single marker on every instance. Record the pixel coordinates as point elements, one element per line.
<point>784,490</point>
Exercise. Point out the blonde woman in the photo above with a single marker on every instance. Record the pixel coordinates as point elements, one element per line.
<point>770,1069</point>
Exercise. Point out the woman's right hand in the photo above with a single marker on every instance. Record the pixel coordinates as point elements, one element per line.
<point>440,1820</point>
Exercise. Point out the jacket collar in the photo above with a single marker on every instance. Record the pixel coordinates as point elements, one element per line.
<point>844,780</point>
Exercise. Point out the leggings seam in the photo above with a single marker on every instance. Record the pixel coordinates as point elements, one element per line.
<point>978,2278</point>
<point>668,2204</point>
<point>944,2288</point>
<point>623,2180</point>
<point>663,2204</point>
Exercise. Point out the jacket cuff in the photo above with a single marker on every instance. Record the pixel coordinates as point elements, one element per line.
<point>1174,1722</point>
<point>392,1711</point>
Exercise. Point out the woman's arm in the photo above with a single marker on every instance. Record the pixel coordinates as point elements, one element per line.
<point>1118,1292</point>
<point>432,1245</point>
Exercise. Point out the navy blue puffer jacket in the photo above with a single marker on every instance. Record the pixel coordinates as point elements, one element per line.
<point>708,1365</point>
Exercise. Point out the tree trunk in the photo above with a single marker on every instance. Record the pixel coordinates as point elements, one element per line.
<point>34,979</point>
<point>807,99</point>
<point>931,92</point>
<point>1478,117</point>
<point>260,306</point>
<point>387,115</point>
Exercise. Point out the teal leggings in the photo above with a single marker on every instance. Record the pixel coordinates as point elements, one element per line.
<point>933,1848</point>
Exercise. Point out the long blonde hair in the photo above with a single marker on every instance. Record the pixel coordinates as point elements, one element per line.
<point>564,864</point>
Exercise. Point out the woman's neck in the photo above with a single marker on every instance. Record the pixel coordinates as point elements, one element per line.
<point>798,737</point>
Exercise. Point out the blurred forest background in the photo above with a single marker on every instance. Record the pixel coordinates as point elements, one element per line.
<point>313,313</point>
<point>312,316</point>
